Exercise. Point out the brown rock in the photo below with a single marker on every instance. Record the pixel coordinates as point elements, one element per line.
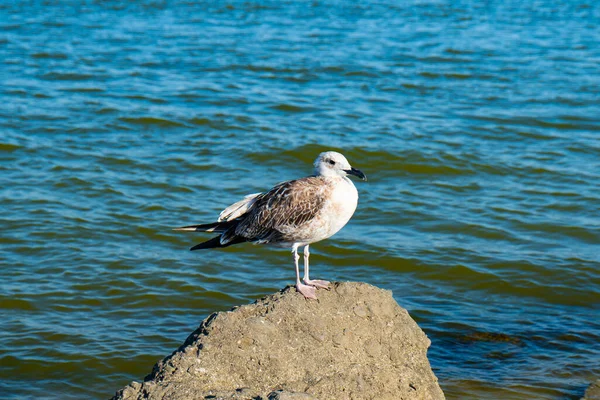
<point>593,391</point>
<point>355,342</point>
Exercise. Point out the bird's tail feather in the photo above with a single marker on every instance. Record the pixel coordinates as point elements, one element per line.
<point>216,243</point>
<point>218,227</point>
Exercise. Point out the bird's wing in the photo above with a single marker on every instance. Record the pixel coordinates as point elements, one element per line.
<point>237,209</point>
<point>286,206</point>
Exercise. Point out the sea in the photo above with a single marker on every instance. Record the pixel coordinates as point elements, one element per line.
<point>476,122</point>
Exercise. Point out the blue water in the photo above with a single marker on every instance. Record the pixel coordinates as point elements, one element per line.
<point>477,124</point>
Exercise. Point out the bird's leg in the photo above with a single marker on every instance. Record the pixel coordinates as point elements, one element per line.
<point>315,282</point>
<point>308,292</point>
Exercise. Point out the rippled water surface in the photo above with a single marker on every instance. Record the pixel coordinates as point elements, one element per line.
<point>477,123</point>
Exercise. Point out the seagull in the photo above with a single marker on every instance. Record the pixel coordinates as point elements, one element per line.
<point>292,214</point>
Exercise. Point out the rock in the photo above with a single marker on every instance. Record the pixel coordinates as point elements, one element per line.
<point>355,342</point>
<point>593,391</point>
<point>283,395</point>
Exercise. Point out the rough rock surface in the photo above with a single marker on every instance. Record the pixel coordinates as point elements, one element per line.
<point>355,342</point>
<point>593,391</point>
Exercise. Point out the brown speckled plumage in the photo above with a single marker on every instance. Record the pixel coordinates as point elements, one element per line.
<point>286,207</point>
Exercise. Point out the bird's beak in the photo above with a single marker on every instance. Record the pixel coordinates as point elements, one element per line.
<point>356,172</point>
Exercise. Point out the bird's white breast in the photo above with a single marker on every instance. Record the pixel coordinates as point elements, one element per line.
<point>340,206</point>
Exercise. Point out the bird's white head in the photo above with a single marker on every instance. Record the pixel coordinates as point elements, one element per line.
<point>331,163</point>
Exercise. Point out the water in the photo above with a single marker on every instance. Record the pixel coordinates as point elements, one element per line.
<point>477,124</point>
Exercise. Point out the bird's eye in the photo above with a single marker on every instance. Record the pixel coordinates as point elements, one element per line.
<point>331,162</point>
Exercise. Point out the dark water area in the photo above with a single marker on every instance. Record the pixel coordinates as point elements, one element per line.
<point>477,124</point>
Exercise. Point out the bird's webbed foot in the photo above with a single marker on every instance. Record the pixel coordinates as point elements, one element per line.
<point>309,292</point>
<point>317,283</point>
